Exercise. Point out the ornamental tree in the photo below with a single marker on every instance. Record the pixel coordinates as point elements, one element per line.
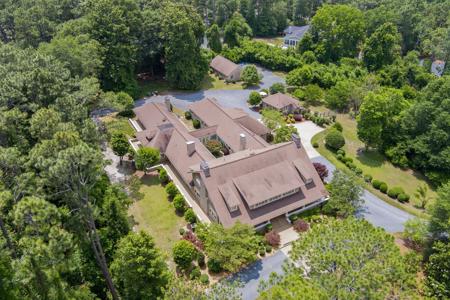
<point>250,75</point>
<point>183,254</point>
<point>146,157</point>
<point>120,145</point>
<point>230,247</point>
<point>345,195</point>
<point>254,98</point>
<point>321,170</point>
<point>334,139</point>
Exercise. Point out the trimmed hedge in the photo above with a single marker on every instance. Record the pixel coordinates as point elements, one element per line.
<point>368,178</point>
<point>358,171</point>
<point>341,152</point>
<point>376,184</point>
<point>340,157</point>
<point>395,191</point>
<point>383,188</point>
<point>179,203</point>
<point>163,177</point>
<point>189,216</point>
<point>171,190</point>
<point>187,115</point>
<point>315,145</point>
<point>403,198</point>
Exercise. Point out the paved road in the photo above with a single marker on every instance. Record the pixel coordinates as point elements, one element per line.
<point>260,270</point>
<point>375,210</point>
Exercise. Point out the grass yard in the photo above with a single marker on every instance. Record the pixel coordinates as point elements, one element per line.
<point>115,124</point>
<point>156,215</point>
<point>210,82</point>
<point>273,41</point>
<point>375,164</point>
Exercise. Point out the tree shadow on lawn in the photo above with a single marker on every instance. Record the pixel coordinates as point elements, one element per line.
<point>370,158</point>
<point>151,178</point>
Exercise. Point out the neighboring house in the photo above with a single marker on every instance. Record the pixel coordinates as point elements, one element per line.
<point>225,68</point>
<point>294,34</point>
<point>281,102</point>
<point>437,67</point>
<point>255,183</point>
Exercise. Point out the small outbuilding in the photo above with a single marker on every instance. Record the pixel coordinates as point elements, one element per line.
<point>226,69</point>
<point>281,102</point>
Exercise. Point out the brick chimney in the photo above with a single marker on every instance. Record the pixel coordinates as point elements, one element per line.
<point>168,104</point>
<point>242,141</point>
<point>296,139</point>
<point>190,147</point>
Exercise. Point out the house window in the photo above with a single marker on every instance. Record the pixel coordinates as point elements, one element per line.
<point>275,198</point>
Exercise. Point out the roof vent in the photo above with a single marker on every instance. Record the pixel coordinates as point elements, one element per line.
<point>205,168</point>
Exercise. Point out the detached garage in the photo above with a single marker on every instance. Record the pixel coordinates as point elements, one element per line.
<point>225,68</point>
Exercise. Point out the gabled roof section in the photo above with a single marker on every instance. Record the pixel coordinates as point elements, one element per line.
<point>295,32</point>
<point>212,114</point>
<point>223,65</point>
<point>280,100</point>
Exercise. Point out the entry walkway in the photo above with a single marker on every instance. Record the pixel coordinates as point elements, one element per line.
<point>285,230</point>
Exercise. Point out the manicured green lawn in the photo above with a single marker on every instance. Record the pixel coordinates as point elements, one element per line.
<point>373,163</point>
<point>156,215</point>
<point>212,82</point>
<point>115,124</point>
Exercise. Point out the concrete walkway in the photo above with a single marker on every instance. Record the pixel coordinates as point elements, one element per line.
<point>307,130</point>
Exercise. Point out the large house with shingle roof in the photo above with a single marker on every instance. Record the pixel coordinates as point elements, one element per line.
<point>294,34</point>
<point>225,68</point>
<point>254,183</point>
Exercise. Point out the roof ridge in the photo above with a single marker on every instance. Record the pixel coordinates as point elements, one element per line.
<point>255,153</point>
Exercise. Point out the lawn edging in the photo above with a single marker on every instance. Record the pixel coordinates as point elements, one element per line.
<point>318,138</point>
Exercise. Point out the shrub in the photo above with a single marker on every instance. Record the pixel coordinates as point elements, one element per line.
<point>277,87</point>
<point>187,115</point>
<point>183,254</point>
<point>334,140</point>
<point>376,184</point>
<point>268,248</point>
<point>383,187</point>
<point>403,197</point>
<point>262,251</point>
<point>191,237</point>
<point>348,159</point>
<point>179,203</point>
<point>340,157</point>
<point>215,147</point>
<point>214,266</point>
<point>358,171</point>
<point>350,165</point>
<point>337,126</point>
<point>250,76</point>
<point>272,238</point>
<point>341,152</point>
<point>293,218</point>
<point>181,231</point>
<point>368,178</point>
<point>196,123</point>
<point>201,259</point>
<point>163,177</point>
<point>395,191</point>
<point>254,98</point>
<point>171,190</point>
<point>315,145</point>
<point>195,273</point>
<point>301,225</point>
<point>204,279</point>
<point>190,216</point>
<point>269,227</point>
<point>321,169</point>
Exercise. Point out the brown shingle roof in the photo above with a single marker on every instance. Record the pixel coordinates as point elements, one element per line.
<point>212,114</point>
<point>222,65</point>
<point>280,101</point>
<point>277,160</point>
